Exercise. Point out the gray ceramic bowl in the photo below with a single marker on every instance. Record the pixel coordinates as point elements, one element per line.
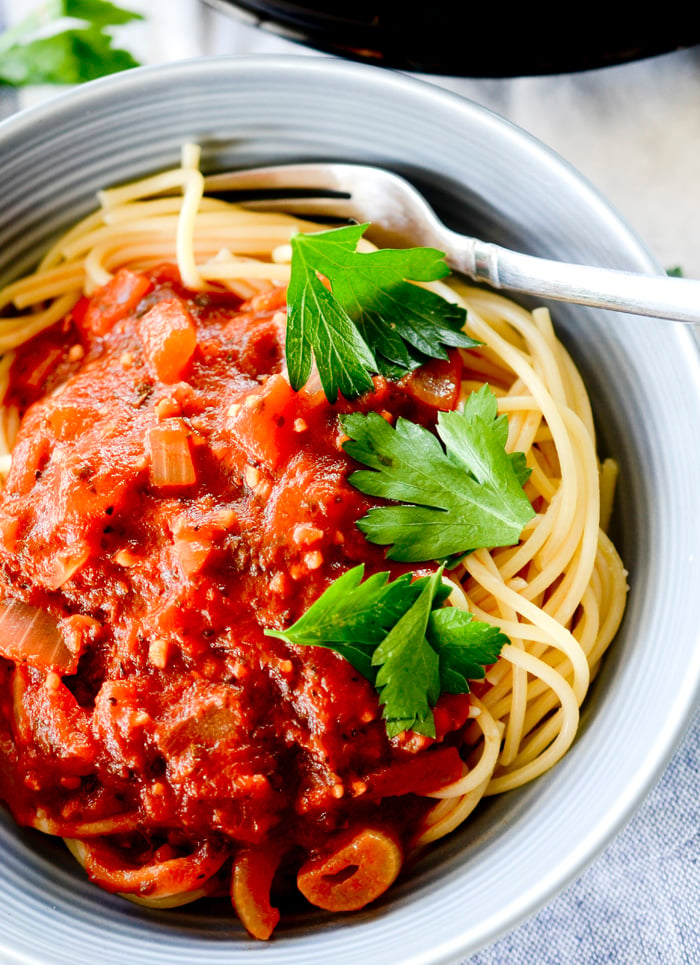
<point>644,377</point>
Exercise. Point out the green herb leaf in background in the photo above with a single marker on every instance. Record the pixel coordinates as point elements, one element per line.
<point>47,47</point>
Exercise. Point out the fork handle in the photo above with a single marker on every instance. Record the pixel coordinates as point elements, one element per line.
<point>622,291</point>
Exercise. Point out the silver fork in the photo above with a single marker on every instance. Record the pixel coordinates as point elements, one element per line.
<point>400,217</point>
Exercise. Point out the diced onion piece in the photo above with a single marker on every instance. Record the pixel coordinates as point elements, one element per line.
<point>169,339</point>
<point>357,872</point>
<point>30,635</point>
<point>65,565</point>
<point>192,554</point>
<point>171,459</point>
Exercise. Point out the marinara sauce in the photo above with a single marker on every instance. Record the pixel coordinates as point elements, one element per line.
<point>170,497</point>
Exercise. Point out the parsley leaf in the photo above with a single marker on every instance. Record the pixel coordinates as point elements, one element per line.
<point>319,328</point>
<point>455,497</point>
<point>408,679</point>
<point>354,617</point>
<point>399,636</point>
<point>37,51</point>
<point>372,320</point>
<point>447,630</point>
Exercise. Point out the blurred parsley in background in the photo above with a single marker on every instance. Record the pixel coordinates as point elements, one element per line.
<point>64,42</point>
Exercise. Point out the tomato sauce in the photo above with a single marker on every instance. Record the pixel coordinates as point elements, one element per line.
<point>170,497</point>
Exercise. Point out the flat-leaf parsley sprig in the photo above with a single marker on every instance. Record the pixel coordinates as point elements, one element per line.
<point>455,497</point>
<point>400,636</point>
<point>371,319</point>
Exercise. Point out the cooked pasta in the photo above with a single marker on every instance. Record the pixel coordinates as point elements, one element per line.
<point>119,765</point>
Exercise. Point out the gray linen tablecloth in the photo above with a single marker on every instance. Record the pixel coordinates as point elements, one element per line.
<point>634,132</point>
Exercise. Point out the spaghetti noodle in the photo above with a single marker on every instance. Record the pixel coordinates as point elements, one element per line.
<point>168,496</point>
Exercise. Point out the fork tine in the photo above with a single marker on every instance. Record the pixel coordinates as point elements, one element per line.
<point>283,176</point>
<point>340,208</point>
<point>284,188</point>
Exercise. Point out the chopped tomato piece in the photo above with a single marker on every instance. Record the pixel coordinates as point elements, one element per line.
<point>450,713</point>
<point>43,368</point>
<point>437,382</point>
<point>424,773</point>
<point>263,425</point>
<point>169,339</point>
<point>79,311</point>
<point>48,717</point>
<point>269,301</point>
<point>115,300</point>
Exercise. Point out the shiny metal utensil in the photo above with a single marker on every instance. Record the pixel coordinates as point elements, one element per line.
<point>401,217</point>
